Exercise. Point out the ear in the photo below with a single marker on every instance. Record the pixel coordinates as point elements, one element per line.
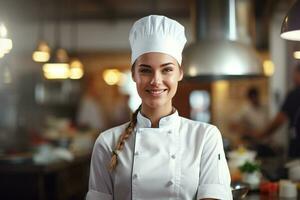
<point>181,73</point>
<point>132,74</point>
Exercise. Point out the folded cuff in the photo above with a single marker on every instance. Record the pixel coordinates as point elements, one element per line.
<point>215,191</point>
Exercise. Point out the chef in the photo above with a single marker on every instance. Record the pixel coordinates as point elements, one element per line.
<point>158,155</point>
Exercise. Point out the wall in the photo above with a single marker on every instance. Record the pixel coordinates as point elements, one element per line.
<point>278,82</point>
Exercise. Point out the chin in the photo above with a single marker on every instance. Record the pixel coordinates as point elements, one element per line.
<point>156,104</point>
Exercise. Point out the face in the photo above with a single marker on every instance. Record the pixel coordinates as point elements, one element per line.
<point>156,76</point>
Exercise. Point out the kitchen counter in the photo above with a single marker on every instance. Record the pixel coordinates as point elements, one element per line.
<point>273,170</point>
<point>258,196</point>
<point>59,180</point>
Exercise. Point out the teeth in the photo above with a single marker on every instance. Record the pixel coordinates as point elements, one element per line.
<point>156,91</point>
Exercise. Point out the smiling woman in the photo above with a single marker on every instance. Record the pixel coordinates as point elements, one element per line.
<point>158,154</point>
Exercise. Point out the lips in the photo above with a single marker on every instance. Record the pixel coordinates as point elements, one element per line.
<point>156,92</point>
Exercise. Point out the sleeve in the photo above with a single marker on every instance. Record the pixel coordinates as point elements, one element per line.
<point>100,181</point>
<point>214,180</point>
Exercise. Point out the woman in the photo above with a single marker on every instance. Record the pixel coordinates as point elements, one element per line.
<point>158,154</point>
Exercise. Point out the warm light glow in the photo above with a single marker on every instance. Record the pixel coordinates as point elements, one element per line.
<point>297,54</point>
<point>56,70</point>
<point>3,30</point>
<point>193,71</point>
<point>76,69</point>
<point>76,73</point>
<point>40,56</point>
<point>76,64</point>
<point>222,86</point>
<point>112,76</point>
<point>5,45</point>
<point>268,67</point>
<point>42,53</point>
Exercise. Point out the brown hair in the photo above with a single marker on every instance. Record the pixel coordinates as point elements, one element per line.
<point>124,136</point>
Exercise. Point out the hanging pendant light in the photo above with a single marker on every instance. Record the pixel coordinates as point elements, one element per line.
<point>290,29</point>
<point>42,52</point>
<point>5,43</point>
<point>76,69</point>
<point>76,66</point>
<point>58,66</point>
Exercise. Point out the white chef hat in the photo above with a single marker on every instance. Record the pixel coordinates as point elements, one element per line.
<point>156,33</point>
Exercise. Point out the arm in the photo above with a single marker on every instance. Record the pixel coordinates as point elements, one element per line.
<point>100,182</point>
<point>280,119</point>
<point>214,180</point>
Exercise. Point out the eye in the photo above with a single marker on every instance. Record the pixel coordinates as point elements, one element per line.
<point>168,69</point>
<point>144,70</point>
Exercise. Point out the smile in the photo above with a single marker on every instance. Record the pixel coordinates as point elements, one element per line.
<point>156,92</point>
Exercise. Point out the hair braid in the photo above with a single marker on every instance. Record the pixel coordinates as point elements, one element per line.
<point>124,136</point>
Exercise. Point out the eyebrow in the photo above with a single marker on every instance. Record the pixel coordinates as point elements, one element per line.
<point>162,65</point>
<point>166,64</point>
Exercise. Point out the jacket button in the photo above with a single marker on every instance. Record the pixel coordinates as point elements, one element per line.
<point>135,176</point>
<point>170,183</point>
<point>173,156</point>
<point>136,153</point>
<point>169,132</point>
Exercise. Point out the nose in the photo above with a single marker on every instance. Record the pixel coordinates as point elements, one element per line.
<point>156,79</point>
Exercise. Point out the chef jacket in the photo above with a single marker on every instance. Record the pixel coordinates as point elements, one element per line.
<point>180,160</point>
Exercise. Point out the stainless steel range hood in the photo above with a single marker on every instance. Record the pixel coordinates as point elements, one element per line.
<point>217,52</point>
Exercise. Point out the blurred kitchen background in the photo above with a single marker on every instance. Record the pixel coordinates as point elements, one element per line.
<point>45,136</point>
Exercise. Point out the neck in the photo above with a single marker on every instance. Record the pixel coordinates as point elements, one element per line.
<point>154,115</point>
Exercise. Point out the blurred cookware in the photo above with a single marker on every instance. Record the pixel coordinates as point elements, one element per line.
<point>239,190</point>
<point>293,170</point>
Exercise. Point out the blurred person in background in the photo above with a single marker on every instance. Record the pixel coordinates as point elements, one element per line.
<point>250,120</point>
<point>290,111</point>
<point>90,113</point>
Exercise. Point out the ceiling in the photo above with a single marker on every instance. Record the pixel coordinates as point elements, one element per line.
<point>20,10</point>
<point>31,10</point>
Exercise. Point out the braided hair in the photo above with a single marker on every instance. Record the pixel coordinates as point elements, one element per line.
<point>124,136</point>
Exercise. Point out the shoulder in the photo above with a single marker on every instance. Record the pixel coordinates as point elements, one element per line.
<point>110,136</point>
<point>199,128</point>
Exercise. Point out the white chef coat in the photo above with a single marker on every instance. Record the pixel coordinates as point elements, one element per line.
<point>182,160</point>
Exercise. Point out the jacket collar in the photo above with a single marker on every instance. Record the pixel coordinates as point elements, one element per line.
<point>165,122</point>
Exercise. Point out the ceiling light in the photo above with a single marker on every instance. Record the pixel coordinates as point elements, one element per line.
<point>76,66</point>
<point>5,43</point>
<point>290,28</point>
<point>58,66</point>
<point>56,70</point>
<point>297,54</point>
<point>42,53</point>
<point>76,69</point>
<point>268,67</point>
<point>112,76</point>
